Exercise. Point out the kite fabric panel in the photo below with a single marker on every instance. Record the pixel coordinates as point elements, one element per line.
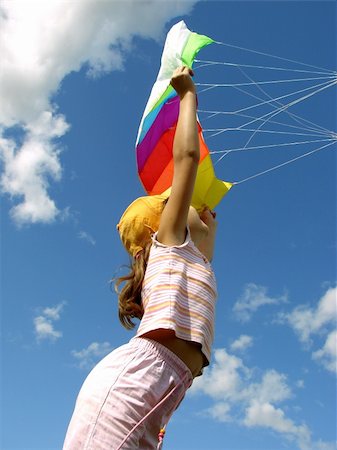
<point>154,146</point>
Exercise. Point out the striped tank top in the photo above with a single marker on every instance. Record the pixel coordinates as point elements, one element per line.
<point>179,293</point>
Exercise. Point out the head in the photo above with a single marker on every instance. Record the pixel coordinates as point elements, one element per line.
<point>139,221</point>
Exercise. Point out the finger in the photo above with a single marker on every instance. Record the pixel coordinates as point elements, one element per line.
<point>187,70</point>
<point>181,69</point>
<point>177,71</point>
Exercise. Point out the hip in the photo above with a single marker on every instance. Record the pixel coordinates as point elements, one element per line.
<point>188,352</point>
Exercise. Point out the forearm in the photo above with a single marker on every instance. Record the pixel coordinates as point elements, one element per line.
<point>186,141</point>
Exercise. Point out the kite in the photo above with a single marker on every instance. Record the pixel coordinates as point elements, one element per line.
<point>157,128</point>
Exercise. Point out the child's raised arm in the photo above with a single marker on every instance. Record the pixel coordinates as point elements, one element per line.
<point>186,154</point>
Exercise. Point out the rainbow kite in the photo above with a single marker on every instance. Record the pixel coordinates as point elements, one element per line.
<point>157,128</point>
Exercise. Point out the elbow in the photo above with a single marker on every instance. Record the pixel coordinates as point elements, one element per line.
<point>188,154</point>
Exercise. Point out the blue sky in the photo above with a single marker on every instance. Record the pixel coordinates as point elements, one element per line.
<point>76,80</point>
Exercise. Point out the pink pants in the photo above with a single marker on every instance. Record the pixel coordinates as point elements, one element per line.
<point>127,398</point>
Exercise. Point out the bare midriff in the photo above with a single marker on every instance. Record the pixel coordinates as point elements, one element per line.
<point>189,352</point>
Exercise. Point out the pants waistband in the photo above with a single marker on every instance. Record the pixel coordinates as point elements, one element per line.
<point>163,352</point>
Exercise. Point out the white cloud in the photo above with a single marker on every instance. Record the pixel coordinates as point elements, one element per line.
<point>266,415</point>
<point>307,321</point>
<point>273,387</point>
<point>44,323</point>
<point>220,411</point>
<point>320,320</point>
<point>54,313</point>
<point>327,355</point>
<point>44,329</point>
<point>224,379</point>
<point>321,445</point>
<point>300,383</point>
<point>28,169</point>
<point>88,357</point>
<point>253,298</point>
<point>86,237</point>
<point>229,379</point>
<point>242,343</point>
<point>41,44</point>
<point>242,396</point>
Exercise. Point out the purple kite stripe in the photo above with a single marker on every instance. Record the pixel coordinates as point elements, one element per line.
<point>166,118</point>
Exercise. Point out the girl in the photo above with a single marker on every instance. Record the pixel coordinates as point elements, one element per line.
<point>131,394</point>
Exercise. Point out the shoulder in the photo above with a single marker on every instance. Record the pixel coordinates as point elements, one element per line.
<point>157,243</point>
<point>186,253</point>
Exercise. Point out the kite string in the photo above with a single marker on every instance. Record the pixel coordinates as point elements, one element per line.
<point>326,83</point>
<point>274,103</point>
<point>330,77</point>
<point>239,66</point>
<point>334,141</point>
<point>263,123</point>
<point>257,83</point>
<point>281,109</point>
<point>214,113</point>
<point>326,132</point>
<point>277,98</point>
<point>274,56</point>
<point>206,63</point>
<point>291,115</point>
<point>265,131</point>
<point>238,149</point>
<point>314,127</point>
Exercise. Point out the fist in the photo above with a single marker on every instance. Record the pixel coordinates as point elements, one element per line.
<point>208,217</point>
<point>182,81</point>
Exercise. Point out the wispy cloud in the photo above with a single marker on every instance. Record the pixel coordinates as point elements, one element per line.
<point>41,45</point>
<point>253,298</point>
<point>318,321</point>
<point>242,343</point>
<point>242,396</point>
<point>89,356</point>
<point>327,355</point>
<point>307,321</point>
<point>44,327</point>
<point>86,237</point>
<point>300,383</point>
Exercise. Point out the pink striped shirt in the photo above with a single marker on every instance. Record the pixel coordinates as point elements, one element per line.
<point>179,293</point>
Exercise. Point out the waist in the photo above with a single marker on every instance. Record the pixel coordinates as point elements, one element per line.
<point>189,352</point>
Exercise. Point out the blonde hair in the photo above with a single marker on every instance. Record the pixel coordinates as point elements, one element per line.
<point>129,296</point>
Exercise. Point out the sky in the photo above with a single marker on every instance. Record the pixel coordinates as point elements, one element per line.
<point>74,83</point>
